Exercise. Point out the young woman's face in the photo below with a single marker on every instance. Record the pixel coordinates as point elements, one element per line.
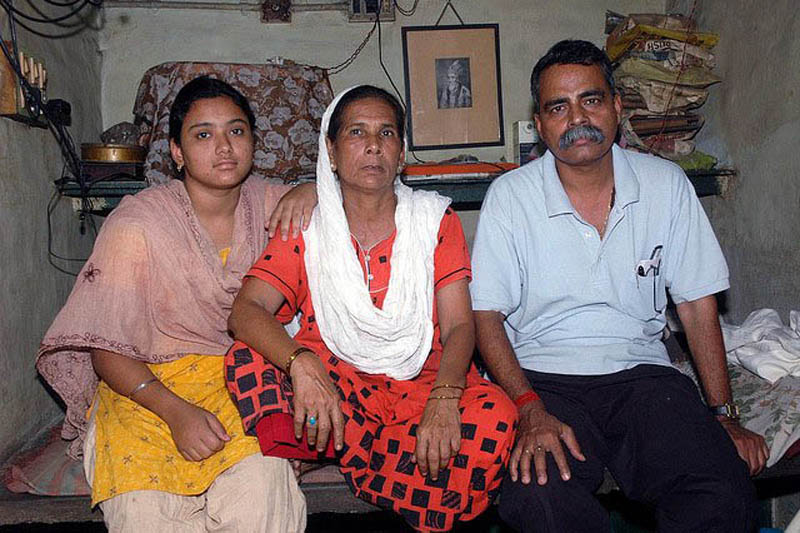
<point>216,149</point>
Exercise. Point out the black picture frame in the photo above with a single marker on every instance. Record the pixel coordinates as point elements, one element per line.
<point>454,93</point>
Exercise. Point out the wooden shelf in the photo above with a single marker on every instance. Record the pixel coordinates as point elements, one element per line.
<point>466,193</point>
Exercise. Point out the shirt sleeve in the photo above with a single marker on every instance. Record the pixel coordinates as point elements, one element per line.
<point>451,257</point>
<point>281,266</point>
<point>496,283</point>
<point>693,264</point>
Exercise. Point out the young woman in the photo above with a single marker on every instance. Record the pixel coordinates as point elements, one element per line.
<point>165,450</point>
<point>379,373</point>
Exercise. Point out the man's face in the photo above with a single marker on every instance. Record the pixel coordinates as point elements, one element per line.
<point>578,118</point>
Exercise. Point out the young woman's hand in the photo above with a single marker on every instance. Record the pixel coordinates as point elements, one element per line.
<point>293,210</point>
<point>197,433</point>
<point>438,436</point>
<point>316,403</point>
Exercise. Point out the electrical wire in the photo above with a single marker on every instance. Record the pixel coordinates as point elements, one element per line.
<point>51,255</point>
<point>382,64</point>
<point>10,8</point>
<point>391,80</point>
<point>349,61</point>
<point>63,138</point>
<point>79,27</point>
<point>80,20</point>
<point>406,12</point>
<point>62,4</point>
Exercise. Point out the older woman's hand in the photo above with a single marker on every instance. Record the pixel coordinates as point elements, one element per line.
<point>438,436</point>
<point>316,403</point>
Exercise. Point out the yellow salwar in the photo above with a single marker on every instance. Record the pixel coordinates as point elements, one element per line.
<point>134,449</point>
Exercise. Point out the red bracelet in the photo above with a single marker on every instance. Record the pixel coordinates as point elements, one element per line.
<point>525,399</point>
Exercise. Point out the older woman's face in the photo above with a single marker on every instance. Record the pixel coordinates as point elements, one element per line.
<point>368,148</point>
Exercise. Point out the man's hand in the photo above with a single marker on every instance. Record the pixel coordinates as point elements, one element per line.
<point>752,447</point>
<point>197,433</point>
<point>293,209</point>
<point>539,433</point>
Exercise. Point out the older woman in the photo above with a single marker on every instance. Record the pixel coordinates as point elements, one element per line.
<point>165,450</point>
<point>379,373</point>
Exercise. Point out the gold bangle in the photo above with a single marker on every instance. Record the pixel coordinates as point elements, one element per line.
<point>288,365</point>
<point>448,386</point>
<point>444,398</point>
<point>143,385</point>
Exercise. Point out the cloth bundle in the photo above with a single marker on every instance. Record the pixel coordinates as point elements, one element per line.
<point>763,345</point>
<point>662,71</point>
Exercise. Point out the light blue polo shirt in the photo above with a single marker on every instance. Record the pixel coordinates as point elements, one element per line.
<point>574,304</point>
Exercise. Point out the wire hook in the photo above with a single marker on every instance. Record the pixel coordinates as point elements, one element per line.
<point>449,3</point>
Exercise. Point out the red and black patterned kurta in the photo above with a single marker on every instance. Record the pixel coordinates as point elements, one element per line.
<point>381,414</point>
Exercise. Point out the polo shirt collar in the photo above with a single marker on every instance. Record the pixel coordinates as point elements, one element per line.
<point>556,199</point>
<point>625,180</point>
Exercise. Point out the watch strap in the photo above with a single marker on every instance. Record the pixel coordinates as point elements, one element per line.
<point>729,410</point>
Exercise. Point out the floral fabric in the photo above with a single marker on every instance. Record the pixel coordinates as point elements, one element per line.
<point>288,101</point>
<point>773,410</point>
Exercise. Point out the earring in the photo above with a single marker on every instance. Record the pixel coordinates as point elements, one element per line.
<point>400,168</point>
<point>179,166</point>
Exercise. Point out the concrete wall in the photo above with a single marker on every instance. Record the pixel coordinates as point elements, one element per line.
<point>753,122</point>
<point>32,291</point>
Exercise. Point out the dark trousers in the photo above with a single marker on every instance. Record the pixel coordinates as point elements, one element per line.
<point>648,426</point>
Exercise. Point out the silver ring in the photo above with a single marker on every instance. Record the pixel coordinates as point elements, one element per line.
<point>538,448</point>
<point>312,421</point>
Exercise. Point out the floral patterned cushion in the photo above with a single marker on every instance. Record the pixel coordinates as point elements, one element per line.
<point>773,410</point>
<point>287,99</point>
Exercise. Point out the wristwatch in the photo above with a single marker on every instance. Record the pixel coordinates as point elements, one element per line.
<point>729,410</point>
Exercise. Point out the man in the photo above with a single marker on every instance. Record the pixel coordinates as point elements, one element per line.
<point>572,259</point>
<point>455,94</point>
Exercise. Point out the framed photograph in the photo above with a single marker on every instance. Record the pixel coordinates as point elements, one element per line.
<point>453,90</point>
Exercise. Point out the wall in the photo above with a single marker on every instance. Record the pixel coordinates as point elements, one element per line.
<point>32,291</point>
<point>754,123</point>
<point>135,39</point>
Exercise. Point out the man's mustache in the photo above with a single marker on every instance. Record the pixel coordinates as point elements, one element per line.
<point>588,132</point>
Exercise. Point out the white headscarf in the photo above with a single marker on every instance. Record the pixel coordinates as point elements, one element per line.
<point>395,340</point>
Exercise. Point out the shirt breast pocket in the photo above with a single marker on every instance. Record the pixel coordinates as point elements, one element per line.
<point>646,291</point>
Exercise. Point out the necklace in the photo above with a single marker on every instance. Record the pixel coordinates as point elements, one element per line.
<point>367,253</point>
<point>608,212</point>
<point>375,243</point>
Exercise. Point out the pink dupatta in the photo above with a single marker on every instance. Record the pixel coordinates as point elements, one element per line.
<point>154,290</point>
